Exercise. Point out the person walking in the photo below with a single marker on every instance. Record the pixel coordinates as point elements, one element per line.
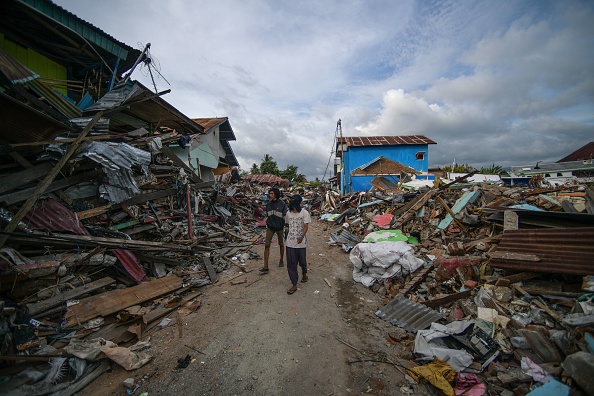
<point>297,220</point>
<point>275,224</point>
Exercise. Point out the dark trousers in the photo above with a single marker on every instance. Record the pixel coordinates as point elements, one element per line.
<point>296,256</point>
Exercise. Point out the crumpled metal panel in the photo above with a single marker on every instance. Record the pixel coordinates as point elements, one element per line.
<point>559,250</point>
<point>121,186</point>
<point>345,237</point>
<point>52,215</point>
<point>409,315</point>
<point>117,155</point>
<point>131,265</point>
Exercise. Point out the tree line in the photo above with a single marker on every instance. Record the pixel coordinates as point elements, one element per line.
<point>268,166</point>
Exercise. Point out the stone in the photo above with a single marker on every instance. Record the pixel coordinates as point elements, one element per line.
<point>129,383</point>
<point>580,367</point>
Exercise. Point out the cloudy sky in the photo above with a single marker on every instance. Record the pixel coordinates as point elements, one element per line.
<point>504,82</point>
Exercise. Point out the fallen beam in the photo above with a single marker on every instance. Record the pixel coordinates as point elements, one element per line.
<point>113,301</point>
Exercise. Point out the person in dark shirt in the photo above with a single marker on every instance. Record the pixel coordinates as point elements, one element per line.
<point>275,224</point>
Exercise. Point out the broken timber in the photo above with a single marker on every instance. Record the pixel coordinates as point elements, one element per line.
<point>44,305</point>
<point>41,187</point>
<point>116,300</point>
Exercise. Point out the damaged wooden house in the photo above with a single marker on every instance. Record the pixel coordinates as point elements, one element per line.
<point>102,182</point>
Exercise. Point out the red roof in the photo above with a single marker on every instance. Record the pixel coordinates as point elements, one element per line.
<point>208,123</point>
<point>359,141</point>
<point>583,153</point>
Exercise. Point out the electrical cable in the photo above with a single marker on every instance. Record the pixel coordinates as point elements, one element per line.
<point>330,159</point>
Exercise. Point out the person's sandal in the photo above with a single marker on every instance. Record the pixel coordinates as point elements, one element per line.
<point>263,271</point>
<point>292,290</point>
<point>281,264</point>
<point>304,279</point>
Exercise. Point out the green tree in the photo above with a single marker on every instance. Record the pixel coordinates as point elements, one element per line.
<point>458,168</point>
<point>491,170</point>
<point>255,169</point>
<point>300,178</point>
<point>268,166</point>
<point>289,173</point>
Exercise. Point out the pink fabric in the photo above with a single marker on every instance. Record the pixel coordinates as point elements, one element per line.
<point>469,385</point>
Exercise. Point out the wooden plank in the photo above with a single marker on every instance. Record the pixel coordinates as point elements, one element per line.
<point>538,303</point>
<point>22,195</point>
<point>514,256</point>
<point>40,189</point>
<point>521,276</point>
<point>114,243</point>
<point>23,177</point>
<point>149,197</point>
<point>116,300</point>
<point>419,276</point>
<point>44,305</point>
<point>212,274</point>
<point>85,214</point>
<point>233,234</point>
<point>412,207</point>
<point>447,299</point>
<point>450,212</point>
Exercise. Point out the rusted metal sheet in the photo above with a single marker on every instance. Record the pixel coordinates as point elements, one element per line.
<point>131,265</point>
<point>355,141</point>
<point>560,250</point>
<point>52,215</point>
<point>409,315</point>
<point>271,180</point>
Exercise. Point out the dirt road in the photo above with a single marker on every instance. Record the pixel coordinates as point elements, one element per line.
<point>253,338</point>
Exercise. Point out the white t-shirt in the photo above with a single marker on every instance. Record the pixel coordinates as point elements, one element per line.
<point>296,222</point>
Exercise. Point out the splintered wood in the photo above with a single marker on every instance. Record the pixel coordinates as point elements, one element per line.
<point>116,300</point>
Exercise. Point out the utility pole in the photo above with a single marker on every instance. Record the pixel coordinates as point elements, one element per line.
<point>342,175</point>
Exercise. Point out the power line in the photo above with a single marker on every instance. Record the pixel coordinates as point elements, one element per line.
<point>331,151</point>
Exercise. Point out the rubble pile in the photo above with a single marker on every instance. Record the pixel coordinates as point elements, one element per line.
<point>498,286</point>
<point>489,282</point>
<point>95,260</point>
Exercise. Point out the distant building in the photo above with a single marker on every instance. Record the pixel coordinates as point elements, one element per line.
<point>585,152</point>
<point>360,159</point>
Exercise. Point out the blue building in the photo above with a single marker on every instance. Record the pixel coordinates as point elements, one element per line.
<point>356,153</point>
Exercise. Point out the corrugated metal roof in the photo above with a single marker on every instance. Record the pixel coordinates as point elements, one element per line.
<point>583,153</point>
<point>559,250</point>
<point>80,26</point>
<point>360,141</point>
<point>14,70</point>
<point>208,123</point>
<point>266,179</point>
<point>52,215</point>
<point>23,124</point>
<point>409,315</point>
<point>45,27</point>
<point>144,106</point>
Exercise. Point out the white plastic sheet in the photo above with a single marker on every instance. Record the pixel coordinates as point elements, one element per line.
<point>382,260</point>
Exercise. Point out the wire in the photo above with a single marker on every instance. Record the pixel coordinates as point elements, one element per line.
<point>330,159</point>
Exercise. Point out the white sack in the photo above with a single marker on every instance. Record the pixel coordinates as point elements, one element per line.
<point>382,260</point>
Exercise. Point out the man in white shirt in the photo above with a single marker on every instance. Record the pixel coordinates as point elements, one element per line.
<point>297,220</point>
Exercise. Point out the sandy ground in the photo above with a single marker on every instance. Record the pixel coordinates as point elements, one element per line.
<point>254,338</point>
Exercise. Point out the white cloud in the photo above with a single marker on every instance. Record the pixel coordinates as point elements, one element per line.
<point>490,82</point>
